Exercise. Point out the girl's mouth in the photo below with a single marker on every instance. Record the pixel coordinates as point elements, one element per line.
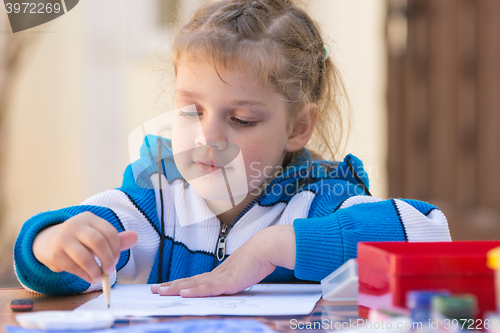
<point>206,167</point>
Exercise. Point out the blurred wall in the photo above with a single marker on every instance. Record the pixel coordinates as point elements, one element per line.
<point>444,79</point>
<point>90,77</point>
<point>94,75</point>
<point>354,34</point>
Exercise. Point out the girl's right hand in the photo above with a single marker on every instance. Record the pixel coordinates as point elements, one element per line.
<point>72,245</point>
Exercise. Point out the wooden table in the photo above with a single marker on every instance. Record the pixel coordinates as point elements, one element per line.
<point>324,311</point>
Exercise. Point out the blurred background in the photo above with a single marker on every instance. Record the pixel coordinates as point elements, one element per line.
<point>423,78</point>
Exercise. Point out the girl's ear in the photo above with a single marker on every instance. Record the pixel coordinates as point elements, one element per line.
<point>303,127</point>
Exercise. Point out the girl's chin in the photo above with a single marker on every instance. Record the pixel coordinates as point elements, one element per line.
<point>210,194</point>
<point>215,188</point>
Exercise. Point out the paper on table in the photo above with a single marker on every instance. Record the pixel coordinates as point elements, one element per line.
<point>257,300</point>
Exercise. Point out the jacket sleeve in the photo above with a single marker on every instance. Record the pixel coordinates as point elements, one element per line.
<point>323,243</point>
<point>130,207</point>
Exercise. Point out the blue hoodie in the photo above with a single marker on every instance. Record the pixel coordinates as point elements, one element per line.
<point>327,203</point>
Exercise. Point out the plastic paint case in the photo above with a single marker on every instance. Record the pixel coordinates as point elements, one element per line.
<point>457,306</point>
<point>342,284</point>
<point>419,303</point>
<point>387,270</point>
<point>66,320</point>
<point>494,263</point>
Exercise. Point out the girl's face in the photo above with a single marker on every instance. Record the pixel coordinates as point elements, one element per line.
<point>239,125</point>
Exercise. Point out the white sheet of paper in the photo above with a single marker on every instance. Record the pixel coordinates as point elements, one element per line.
<point>257,300</point>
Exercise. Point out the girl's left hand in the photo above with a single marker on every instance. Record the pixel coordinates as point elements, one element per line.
<point>249,264</point>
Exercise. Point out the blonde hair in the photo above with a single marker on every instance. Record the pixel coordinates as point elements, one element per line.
<point>283,45</point>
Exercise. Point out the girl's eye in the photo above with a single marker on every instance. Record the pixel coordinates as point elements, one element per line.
<point>244,123</point>
<point>189,115</point>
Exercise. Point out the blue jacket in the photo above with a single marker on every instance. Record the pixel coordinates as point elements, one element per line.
<point>328,207</point>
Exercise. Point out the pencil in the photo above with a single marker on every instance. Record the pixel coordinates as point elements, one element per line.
<point>106,288</point>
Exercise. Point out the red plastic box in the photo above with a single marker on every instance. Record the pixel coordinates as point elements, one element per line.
<point>387,270</point>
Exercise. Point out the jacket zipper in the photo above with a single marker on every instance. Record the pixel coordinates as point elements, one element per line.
<point>220,251</point>
<point>221,244</point>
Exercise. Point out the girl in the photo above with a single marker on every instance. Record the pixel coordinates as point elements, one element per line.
<point>256,79</point>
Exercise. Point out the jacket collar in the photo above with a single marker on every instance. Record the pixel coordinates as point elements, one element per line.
<point>304,173</point>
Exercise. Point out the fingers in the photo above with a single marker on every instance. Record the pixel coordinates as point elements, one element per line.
<point>192,289</point>
<point>204,290</point>
<point>68,265</point>
<point>155,287</point>
<point>81,257</point>
<point>174,289</point>
<point>127,240</point>
<point>72,246</point>
<point>104,240</point>
<point>110,234</point>
<point>97,243</point>
<point>203,285</point>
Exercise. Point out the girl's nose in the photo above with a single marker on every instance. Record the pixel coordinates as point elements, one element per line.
<point>212,135</point>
